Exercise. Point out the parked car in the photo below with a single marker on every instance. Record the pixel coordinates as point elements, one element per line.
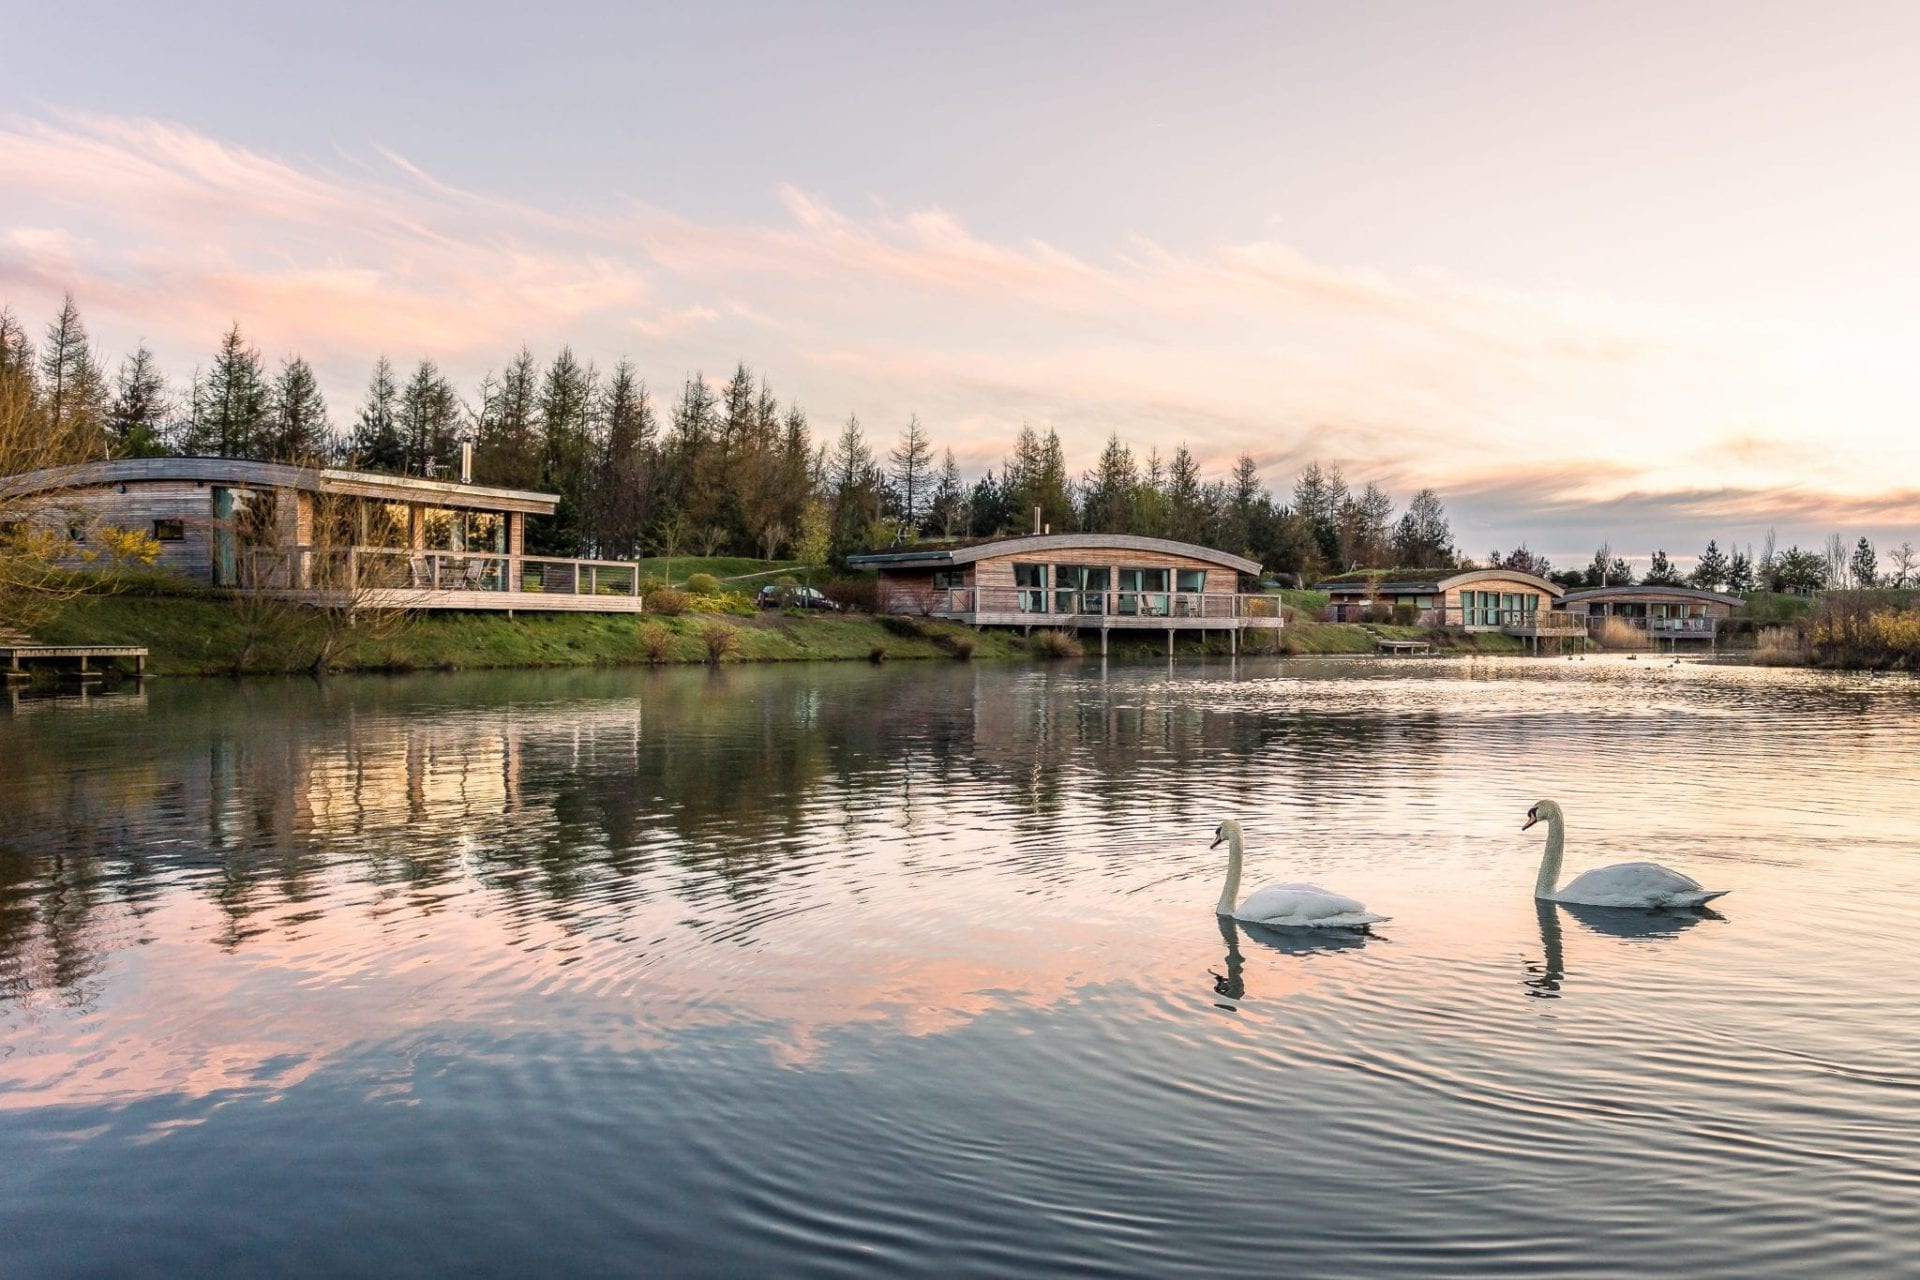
<point>777,596</point>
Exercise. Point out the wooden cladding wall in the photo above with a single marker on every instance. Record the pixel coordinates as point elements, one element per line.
<point>897,591</point>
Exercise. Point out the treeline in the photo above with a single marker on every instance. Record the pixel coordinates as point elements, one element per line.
<point>1836,566</point>
<point>731,470</point>
<point>720,471</point>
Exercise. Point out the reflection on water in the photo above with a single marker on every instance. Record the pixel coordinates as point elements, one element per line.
<point>882,971</point>
<point>1544,978</point>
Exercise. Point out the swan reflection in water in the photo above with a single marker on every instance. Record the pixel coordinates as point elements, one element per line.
<point>1232,984</point>
<point>1626,923</point>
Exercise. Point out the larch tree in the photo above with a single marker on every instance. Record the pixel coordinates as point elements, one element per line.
<point>73,390</point>
<point>912,459</point>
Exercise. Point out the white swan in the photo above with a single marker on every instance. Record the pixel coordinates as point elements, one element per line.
<point>1284,906</point>
<point>1625,884</point>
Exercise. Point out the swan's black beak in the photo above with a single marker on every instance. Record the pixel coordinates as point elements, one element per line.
<point>1532,818</point>
<point>1216,842</point>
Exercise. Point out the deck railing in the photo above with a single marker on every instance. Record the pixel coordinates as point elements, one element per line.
<point>398,569</point>
<point>1079,604</point>
<point>1658,626</point>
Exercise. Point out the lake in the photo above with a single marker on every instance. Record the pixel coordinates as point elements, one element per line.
<point>914,970</point>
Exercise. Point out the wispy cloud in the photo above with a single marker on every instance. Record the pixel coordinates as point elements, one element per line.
<point>1410,377</point>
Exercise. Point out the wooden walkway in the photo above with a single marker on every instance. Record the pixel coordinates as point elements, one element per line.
<point>1397,648</point>
<point>18,652</point>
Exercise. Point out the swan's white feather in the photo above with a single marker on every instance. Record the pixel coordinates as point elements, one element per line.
<point>1635,884</point>
<point>1303,906</point>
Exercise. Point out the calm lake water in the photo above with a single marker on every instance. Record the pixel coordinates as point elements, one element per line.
<point>915,970</point>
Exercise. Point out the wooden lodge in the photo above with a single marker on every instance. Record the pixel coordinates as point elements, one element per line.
<point>1077,581</point>
<point>1671,615</point>
<point>1472,600</point>
<point>325,533</point>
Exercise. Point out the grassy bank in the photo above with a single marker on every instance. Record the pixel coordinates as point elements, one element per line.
<point>197,631</point>
<point>205,635</point>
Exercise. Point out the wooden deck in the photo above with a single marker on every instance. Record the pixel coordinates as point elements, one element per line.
<point>1401,648</point>
<point>18,657</point>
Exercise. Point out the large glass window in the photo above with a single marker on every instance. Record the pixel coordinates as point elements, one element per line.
<point>1031,582</point>
<point>1079,588</point>
<point>1143,592</point>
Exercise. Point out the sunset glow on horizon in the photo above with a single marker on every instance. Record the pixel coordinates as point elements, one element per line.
<point>1627,274</point>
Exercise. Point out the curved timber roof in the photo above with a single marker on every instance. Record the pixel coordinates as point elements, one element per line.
<point>1695,594</point>
<point>1439,583</point>
<point>276,475</point>
<point>1039,544</point>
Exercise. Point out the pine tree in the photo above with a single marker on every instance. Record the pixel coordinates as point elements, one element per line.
<point>1740,572</point>
<point>377,444</point>
<point>1186,501</point>
<point>137,415</point>
<point>1661,573</point>
<point>566,428</point>
<point>233,413</point>
<point>947,511</point>
<point>1319,494</point>
<point>856,485</point>
<point>428,419</point>
<point>1107,496</point>
<point>1424,538</point>
<point>297,428</point>
<point>1710,572</point>
<point>508,450</point>
<point>624,505</point>
<point>1865,566</point>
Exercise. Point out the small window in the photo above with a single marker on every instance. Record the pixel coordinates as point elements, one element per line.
<point>949,579</point>
<point>169,530</point>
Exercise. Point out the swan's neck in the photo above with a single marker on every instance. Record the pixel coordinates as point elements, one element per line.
<point>1550,860</point>
<point>1230,891</point>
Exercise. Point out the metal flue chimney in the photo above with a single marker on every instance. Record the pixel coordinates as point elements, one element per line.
<point>466,459</point>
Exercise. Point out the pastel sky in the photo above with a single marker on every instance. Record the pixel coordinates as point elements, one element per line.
<point>1641,272</point>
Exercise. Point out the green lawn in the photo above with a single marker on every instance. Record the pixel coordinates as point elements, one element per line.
<point>680,568</point>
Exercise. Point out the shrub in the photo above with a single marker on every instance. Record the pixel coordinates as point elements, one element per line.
<point>878,653</point>
<point>702,584</point>
<point>1054,644</point>
<point>1616,634</point>
<point>667,602</point>
<point>1379,612</point>
<point>656,641</point>
<point>961,647</point>
<point>651,583</point>
<point>1406,615</point>
<point>722,639</point>
<point>724,602</point>
<point>853,594</point>
<point>902,626</point>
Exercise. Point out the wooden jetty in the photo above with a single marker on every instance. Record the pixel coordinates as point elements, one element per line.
<point>1399,648</point>
<point>18,652</point>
